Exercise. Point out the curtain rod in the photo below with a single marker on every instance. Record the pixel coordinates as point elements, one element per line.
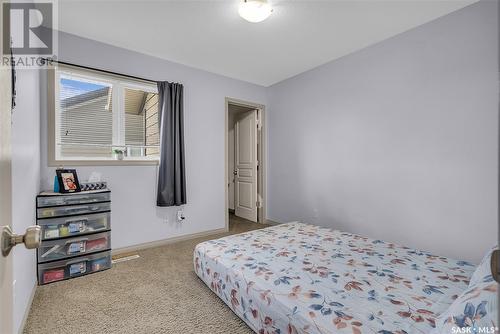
<point>100,70</point>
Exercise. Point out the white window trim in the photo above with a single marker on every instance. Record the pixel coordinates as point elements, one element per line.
<point>53,76</point>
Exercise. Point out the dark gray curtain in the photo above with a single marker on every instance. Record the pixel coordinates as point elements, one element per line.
<point>171,175</point>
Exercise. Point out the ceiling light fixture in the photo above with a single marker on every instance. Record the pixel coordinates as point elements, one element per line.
<point>255,10</point>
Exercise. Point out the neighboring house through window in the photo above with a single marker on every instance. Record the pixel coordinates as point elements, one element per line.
<point>98,115</point>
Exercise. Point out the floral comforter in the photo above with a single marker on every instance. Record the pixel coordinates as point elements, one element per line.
<point>300,278</point>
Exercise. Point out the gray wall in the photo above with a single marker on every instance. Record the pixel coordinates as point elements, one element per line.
<point>136,219</point>
<point>397,141</point>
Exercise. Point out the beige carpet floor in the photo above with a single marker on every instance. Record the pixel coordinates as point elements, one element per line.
<point>157,293</point>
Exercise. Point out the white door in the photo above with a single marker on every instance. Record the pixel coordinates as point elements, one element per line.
<point>246,166</point>
<point>6,293</point>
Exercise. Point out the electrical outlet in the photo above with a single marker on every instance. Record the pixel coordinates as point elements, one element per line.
<point>180,216</point>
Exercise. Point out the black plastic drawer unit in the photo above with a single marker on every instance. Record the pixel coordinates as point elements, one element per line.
<point>76,234</point>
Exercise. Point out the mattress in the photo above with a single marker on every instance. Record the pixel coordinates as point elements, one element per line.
<point>300,278</point>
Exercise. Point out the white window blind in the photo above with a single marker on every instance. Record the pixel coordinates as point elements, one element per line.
<point>86,119</point>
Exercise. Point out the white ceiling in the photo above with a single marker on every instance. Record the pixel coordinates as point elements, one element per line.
<point>210,35</point>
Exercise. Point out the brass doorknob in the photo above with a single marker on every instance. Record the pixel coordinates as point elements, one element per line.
<point>9,239</point>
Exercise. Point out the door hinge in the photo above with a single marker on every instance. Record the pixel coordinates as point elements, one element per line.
<point>258,204</point>
<point>258,124</point>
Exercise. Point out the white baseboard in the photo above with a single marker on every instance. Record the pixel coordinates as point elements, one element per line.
<point>163,242</point>
<point>28,308</point>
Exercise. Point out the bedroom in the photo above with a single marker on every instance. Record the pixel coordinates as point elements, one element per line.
<point>379,119</point>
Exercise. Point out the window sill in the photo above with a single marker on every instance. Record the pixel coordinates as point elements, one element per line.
<point>110,162</point>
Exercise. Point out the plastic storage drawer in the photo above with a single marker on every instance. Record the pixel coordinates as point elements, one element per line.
<point>71,247</point>
<point>72,210</point>
<point>54,228</point>
<point>60,200</point>
<point>60,270</point>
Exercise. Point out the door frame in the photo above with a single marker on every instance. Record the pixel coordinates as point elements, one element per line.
<point>6,263</point>
<point>261,156</point>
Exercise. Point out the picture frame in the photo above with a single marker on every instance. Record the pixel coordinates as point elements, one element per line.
<point>68,181</point>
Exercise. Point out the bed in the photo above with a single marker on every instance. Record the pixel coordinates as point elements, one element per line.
<point>300,278</point>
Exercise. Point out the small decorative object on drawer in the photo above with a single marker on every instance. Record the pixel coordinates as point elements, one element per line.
<point>93,186</point>
<point>78,268</point>
<point>56,184</point>
<point>53,275</point>
<point>68,180</point>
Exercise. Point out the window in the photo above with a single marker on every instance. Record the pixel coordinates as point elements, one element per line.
<point>100,117</point>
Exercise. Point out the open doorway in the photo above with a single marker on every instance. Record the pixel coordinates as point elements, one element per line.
<point>245,191</point>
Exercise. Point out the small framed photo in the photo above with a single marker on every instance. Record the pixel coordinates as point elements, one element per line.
<point>68,181</point>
